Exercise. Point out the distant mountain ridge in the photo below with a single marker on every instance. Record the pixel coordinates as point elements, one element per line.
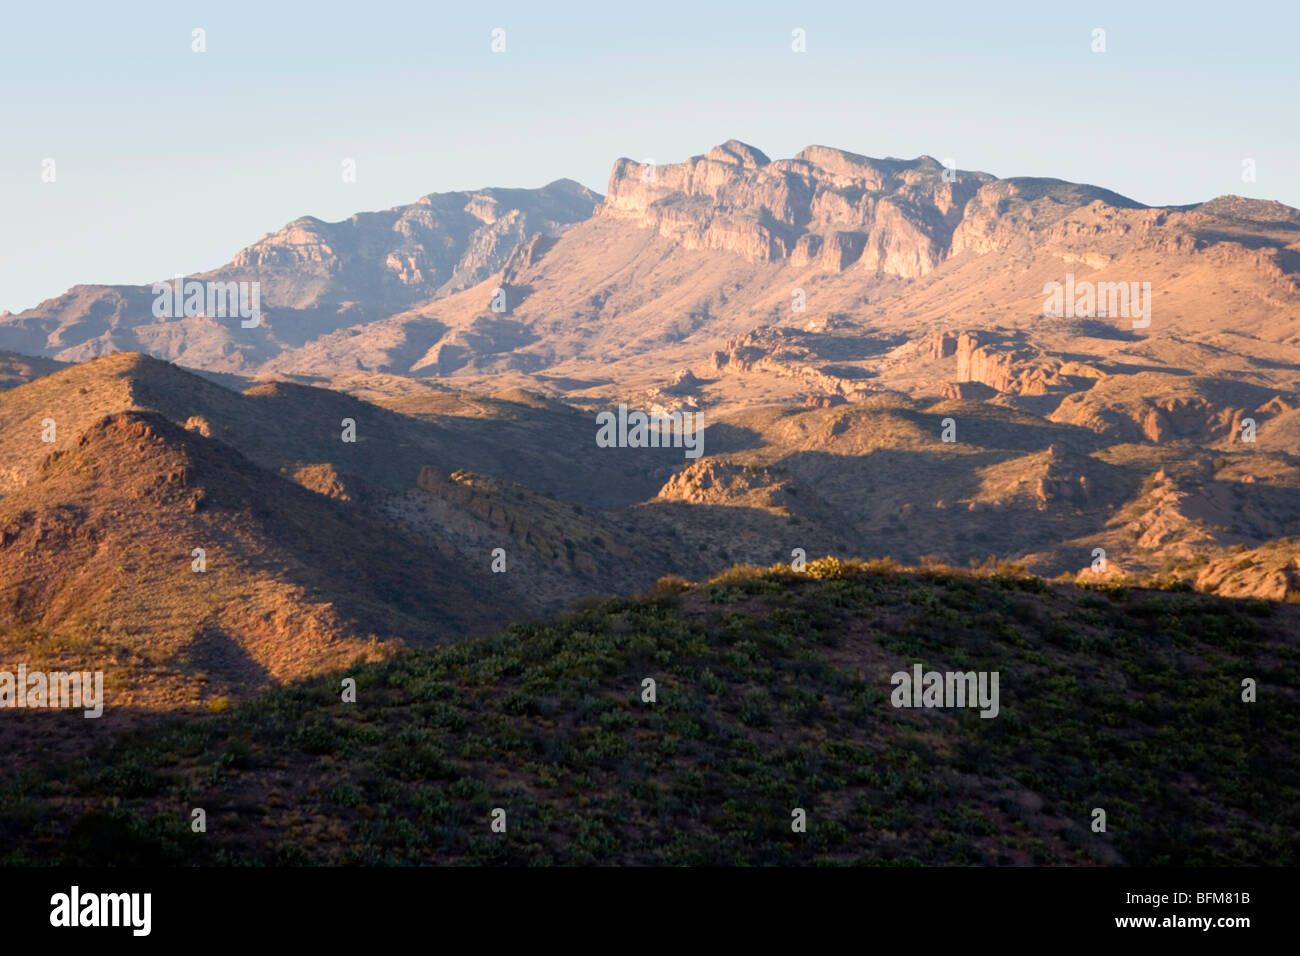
<point>315,277</point>
<point>340,297</point>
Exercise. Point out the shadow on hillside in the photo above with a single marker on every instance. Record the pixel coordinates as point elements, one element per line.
<point>724,439</point>
<point>985,426</point>
<point>230,668</point>
<point>888,502</point>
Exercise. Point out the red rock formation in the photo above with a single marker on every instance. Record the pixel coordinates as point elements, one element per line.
<point>825,207</point>
<point>941,345</point>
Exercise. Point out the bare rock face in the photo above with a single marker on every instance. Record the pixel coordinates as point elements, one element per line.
<point>712,482</point>
<point>1002,366</point>
<point>941,345</point>
<point>966,390</point>
<point>1160,408</point>
<point>197,423</point>
<point>1006,212</point>
<point>323,479</point>
<point>737,153</point>
<point>684,382</point>
<point>825,207</point>
<point>1169,418</point>
<point>1050,489</point>
<point>824,401</point>
<point>1271,573</point>
<point>1176,517</point>
<point>528,254</point>
<point>976,363</point>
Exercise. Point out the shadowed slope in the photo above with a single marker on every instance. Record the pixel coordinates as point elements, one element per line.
<point>96,569</point>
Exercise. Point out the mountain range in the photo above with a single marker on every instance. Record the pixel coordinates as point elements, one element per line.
<point>1003,425</point>
<point>872,344</point>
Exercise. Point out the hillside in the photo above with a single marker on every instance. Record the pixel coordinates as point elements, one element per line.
<point>285,427</point>
<point>773,692</point>
<point>866,339</point>
<point>463,473</point>
<point>829,314</point>
<point>99,571</point>
<point>540,474</point>
<point>18,369</point>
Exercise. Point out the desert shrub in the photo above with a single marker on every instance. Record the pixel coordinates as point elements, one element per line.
<point>828,568</point>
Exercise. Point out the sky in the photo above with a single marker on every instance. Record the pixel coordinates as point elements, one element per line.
<point>168,161</point>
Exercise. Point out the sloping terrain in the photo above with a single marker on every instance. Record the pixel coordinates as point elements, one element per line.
<point>318,547</point>
<point>466,474</point>
<point>749,289</point>
<point>313,276</point>
<point>404,456</point>
<point>836,274</point>
<point>876,477</point>
<point>18,369</point>
<point>765,277</point>
<point>285,426</point>
<point>867,340</point>
<point>184,571</point>
<point>772,694</point>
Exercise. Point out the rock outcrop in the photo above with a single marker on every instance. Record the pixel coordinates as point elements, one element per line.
<point>825,207</point>
<point>1000,362</point>
<point>798,353</point>
<point>1160,407</point>
<point>438,244</point>
<point>715,482</point>
<point>1271,573</point>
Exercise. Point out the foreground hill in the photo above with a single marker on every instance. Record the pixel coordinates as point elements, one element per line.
<point>773,692</point>
<point>316,550</point>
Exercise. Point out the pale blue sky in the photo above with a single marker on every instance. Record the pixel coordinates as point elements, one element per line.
<point>170,161</point>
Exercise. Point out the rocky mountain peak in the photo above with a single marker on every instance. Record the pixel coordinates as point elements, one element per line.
<point>738,153</point>
<point>825,206</point>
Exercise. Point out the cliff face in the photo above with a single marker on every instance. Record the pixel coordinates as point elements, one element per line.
<point>836,210</point>
<point>981,363</point>
<point>998,361</point>
<point>824,207</point>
